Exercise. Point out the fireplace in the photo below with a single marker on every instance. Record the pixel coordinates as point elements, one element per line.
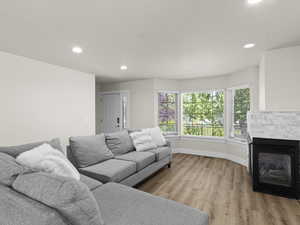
<point>275,166</point>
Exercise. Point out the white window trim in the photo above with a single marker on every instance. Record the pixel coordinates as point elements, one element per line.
<point>230,112</point>
<point>227,115</point>
<point>204,138</point>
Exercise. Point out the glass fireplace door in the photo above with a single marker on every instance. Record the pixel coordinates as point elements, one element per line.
<point>275,169</point>
<point>275,166</point>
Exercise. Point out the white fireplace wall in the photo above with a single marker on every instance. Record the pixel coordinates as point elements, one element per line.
<point>279,81</point>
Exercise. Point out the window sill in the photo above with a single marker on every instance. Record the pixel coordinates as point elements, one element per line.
<point>171,136</point>
<point>207,139</point>
<point>203,138</point>
<point>237,141</point>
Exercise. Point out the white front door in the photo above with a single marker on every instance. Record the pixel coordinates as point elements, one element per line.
<point>112,112</point>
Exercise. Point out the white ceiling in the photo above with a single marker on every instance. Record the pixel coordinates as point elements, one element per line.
<point>154,38</point>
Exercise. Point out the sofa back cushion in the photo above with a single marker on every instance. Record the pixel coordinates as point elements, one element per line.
<point>119,142</point>
<point>89,150</point>
<point>9,169</point>
<point>17,150</point>
<point>71,198</point>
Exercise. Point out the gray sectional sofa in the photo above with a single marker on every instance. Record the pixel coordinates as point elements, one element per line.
<point>116,204</point>
<point>120,162</point>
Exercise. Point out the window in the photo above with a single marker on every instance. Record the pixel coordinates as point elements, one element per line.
<point>240,107</point>
<point>168,112</point>
<point>203,113</point>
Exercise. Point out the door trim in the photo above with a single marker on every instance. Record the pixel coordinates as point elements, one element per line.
<point>122,93</point>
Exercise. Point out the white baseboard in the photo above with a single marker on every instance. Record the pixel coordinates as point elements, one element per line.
<point>233,158</point>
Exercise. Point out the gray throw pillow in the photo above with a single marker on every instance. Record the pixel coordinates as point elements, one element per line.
<point>14,151</point>
<point>71,198</point>
<point>119,142</point>
<point>89,150</point>
<point>9,169</point>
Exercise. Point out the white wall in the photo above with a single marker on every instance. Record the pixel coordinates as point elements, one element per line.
<point>144,110</point>
<point>141,99</point>
<point>280,79</point>
<point>248,77</point>
<point>40,101</point>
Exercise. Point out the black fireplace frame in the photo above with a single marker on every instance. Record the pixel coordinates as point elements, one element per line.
<point>277,146</point>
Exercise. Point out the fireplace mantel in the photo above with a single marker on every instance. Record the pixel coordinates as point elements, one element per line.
<point>274,125</point>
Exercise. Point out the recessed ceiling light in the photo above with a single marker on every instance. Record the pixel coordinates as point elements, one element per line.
<point>252,2</point>
<point>250,45</point>
<point>77,49</point>
<point>123,67</point>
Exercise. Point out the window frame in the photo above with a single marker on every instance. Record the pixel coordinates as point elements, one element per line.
<point>224,114</point>
<point>227,114</point>
<point>177,120</point>
<point>230,104</point>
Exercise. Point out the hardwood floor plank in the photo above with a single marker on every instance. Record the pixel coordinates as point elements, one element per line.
<point>223,189</point>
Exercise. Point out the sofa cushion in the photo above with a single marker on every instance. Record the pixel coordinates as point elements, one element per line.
<point>16,150</point>
<point>142,159</point>
<point>90,182</point>
<point>17,209</point>
<point>9,169</point>
<point>72,199</point>
<point>119,142</point>
<point>112,170</point>
<point>127,206</point>
<point>89,150</point>
<point>161,152</point>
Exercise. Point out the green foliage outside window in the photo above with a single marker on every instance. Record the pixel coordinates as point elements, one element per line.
<point>203,113</point>
<point>241,107</point>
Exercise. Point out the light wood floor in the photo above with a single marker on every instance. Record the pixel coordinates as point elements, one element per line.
<point>223,190</point>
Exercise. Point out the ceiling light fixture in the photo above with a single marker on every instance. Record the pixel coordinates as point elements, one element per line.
<point>250,45</point>
<point>123,67</point>
<point>77,49</point>
<point>252,2</point>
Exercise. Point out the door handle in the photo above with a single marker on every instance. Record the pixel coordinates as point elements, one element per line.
<point>118,121</point>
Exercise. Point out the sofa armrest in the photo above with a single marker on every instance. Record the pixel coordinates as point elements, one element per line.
<point>168,144</point>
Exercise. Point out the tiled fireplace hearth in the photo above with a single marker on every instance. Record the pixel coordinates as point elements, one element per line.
<point>274,152</point>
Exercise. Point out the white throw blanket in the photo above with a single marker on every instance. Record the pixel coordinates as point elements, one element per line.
<point>47,159</point>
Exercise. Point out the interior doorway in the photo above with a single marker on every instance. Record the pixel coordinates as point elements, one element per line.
<point>114,111</point>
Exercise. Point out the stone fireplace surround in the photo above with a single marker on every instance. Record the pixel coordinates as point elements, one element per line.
<point>275,125</point>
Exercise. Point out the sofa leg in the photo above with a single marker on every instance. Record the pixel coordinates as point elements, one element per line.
<point>169,165</point>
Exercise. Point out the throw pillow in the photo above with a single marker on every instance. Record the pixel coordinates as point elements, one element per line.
<point>9,169</point>
<point>71,198</point>
<point>119,142</point>
<point>17,150</point>
<point>89,150</point>
<point>47,159</point>
<point>157,136</point>
<point>142,141</point>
